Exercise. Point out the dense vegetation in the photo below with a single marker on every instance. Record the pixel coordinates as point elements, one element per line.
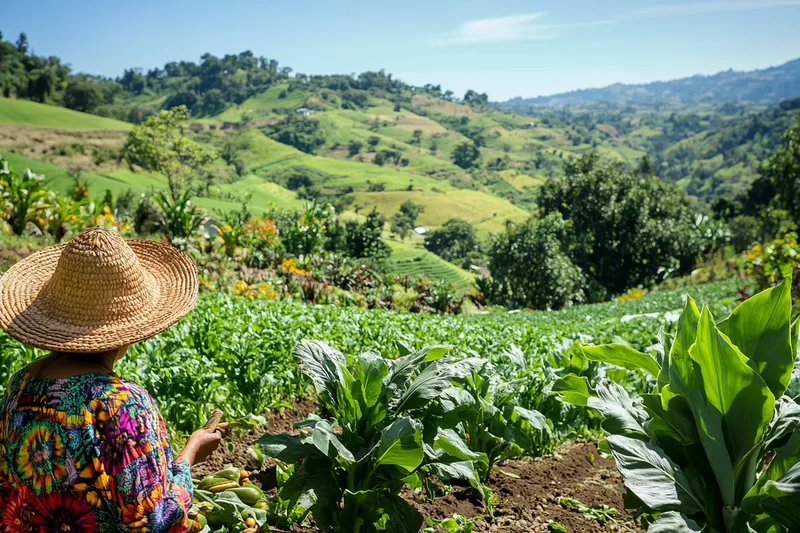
<point>772,84</point>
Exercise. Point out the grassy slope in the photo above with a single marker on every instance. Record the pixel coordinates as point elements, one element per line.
<point>486,212</point>
<point>408,259</point>
<point>265,195</point>
<point>14,111</point>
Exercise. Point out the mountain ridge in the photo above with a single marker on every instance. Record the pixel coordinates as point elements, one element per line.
<point>770,85</point>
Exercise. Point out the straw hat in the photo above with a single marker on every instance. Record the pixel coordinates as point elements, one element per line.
<point>97,292</point>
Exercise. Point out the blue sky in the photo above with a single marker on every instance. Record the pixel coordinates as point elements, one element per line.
<point>509,48</point>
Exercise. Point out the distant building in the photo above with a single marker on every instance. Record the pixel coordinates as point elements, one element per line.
<point>306,112</point>
<point>420,230</point>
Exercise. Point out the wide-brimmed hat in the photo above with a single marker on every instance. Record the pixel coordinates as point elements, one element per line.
<point>97,292</point>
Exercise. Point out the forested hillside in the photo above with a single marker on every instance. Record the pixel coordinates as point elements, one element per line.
<point>371,141</point>
<point>771,85</point>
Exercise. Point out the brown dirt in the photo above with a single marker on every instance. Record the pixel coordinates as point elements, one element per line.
<point>525,504</point>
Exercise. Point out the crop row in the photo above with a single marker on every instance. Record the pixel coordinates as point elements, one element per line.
<point>237,354</point>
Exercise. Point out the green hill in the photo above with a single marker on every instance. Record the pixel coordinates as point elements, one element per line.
<point>770,85</point>
<point>407,259</point>
<point>13,111</point>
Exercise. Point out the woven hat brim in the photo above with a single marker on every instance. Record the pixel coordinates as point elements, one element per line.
<point>25,318</point>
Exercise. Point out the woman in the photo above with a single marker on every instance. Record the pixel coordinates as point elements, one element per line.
<point>82,450</point>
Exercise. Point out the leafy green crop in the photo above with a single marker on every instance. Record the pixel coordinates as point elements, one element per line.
<point>374,437</point>
<point>716,441</point>
<point>482,406</point>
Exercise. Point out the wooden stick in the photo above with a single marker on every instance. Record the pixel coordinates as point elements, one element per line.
<point>213,420</point>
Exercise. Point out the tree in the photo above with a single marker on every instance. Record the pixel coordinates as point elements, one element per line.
<point>476,99</point>
<point>783,173</point>
<point>83,95</point>
<point>404,220</point>
<point>300,132</point>
<point>22,43</point>
<point>372,142</point>
<point>416,137</point>
<point>466,155</point>
<point>453,241</point>
<point>354,147</point>
<point>625,230</point>
<point>364,240</point>
<point>159,144</point>
<point>401,225</point>
<point>411,210</point>
<point>531,268</point>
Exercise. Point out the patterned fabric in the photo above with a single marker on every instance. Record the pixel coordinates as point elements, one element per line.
<point>87,454</point>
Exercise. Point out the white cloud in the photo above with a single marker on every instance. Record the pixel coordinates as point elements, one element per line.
<point>526,27</point>
<point>497,29</point>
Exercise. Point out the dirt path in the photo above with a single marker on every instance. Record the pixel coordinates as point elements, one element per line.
<point>528,498</point>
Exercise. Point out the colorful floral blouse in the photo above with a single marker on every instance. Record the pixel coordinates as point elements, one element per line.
<point>87,454</point>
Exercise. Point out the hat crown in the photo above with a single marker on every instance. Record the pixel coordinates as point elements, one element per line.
<point>98,279</point>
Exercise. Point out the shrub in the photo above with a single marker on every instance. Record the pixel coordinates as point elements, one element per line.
<point>625,230</point>
<point>530,267</point>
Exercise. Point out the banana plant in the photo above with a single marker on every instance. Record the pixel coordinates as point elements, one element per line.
<point>352,462</point>
<point>22,197</point>
<point>715,447</point>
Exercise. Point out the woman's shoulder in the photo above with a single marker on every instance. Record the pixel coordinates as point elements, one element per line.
<point>130,391</point>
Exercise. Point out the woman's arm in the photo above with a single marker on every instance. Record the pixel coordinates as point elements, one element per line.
<point>200,445</point>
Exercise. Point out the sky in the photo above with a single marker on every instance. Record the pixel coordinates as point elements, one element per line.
<point>504,48</point>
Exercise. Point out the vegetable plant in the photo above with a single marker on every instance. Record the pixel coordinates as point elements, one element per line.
<point>351,463</point>
<point>494,426</point>
<point>714,446</point>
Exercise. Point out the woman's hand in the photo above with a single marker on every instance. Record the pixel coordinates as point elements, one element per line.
<point>201,444</point>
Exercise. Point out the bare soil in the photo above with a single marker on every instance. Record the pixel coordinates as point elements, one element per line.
<point>528,491</point>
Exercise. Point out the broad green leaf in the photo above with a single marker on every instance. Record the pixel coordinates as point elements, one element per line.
<point>517,357</point>
<point>573,389</point>
<point>532,417</point>
<point>760,327</point>
<point>403,368</point>
<point>370,371</point>
<point>326,441</point>
<point>737,393</point>
<point>401,445</point>
<point>451,443</point>
<point>652,476</point>
<point>403,518</point>
<point>786,457</point>
<point>676,420</point>
<point>284,447</point>
<point>622,416</point>
<point>314,487</point>
<point>463,367</point>
<point>428,385</point>
<point>322,364</point>
<point>782,498</point>
<point>455,398</point>
<point>686,380</point>
<point>763,523</point>
<point>622,355</point>
<point>457,470</point>
<point>785,420</point>
<point>686,332</point>
<point>664,349</point>
<point>672,522</point>
<point>361,506</point>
